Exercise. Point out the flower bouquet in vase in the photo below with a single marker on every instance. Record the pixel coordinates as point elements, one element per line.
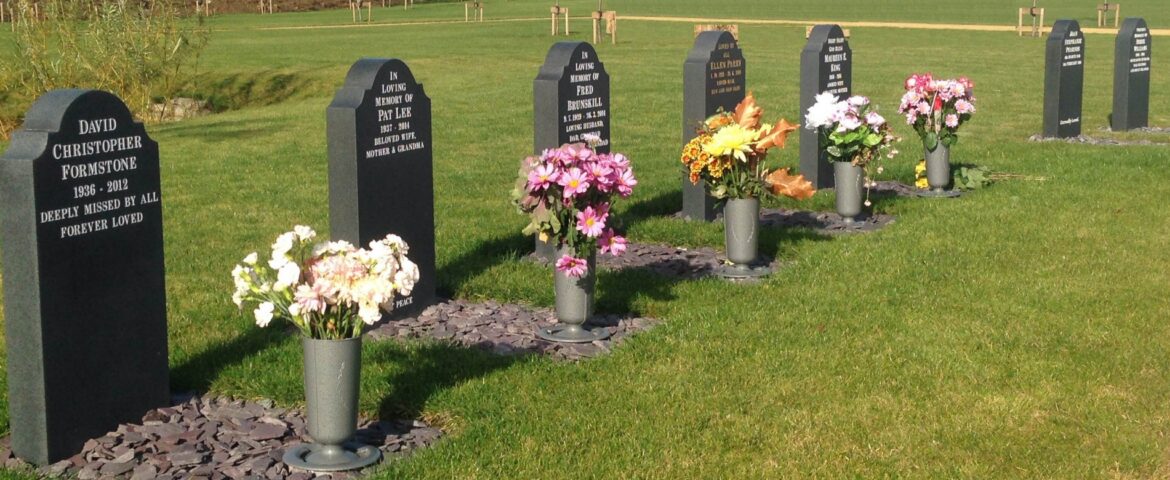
<point>329,291</point>
<point>567,194</point>
<point>936,109</point>
<point>729,154</point>
<point>855,138</point>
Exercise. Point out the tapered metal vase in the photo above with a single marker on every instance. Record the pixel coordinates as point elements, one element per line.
<point>574,306</point>
<point>849,185</point>
<point>332,371</point>
<point>938,171</point>
<point>741,239</point>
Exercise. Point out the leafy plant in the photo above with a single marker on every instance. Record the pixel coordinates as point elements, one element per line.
<point>971,177</point>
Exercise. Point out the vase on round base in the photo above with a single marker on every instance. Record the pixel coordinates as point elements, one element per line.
<point>849,184</point>
<point>332,373</point>
<point>574,307</point>
<point>741,239</point>
<point>938,172</point>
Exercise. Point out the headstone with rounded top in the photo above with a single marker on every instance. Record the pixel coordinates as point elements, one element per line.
<point>84,280</point>
<point>714,80</point>
<point>1131,76</point>
<point>826,65</point>
<point>1064,73</point>
<point>380,168</point>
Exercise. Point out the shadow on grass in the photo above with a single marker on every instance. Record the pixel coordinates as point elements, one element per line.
<point>198,372</point>
<point>427,370</point>
<point>618,290</point>
<point>454,274</point>
<point>223,131</point>
<point>663,205</point>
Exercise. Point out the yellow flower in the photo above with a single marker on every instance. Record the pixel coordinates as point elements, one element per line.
<point>922,183</point>
<point>920,168</point>
<point>731,140</point>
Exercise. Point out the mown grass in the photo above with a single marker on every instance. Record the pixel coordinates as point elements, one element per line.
<point>1015,332</point>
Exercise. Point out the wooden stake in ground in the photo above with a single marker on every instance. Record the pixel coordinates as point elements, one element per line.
<point>1103,14</point>
<point>1034,12</point>
<point>558,10</point>
<point>266,6</point>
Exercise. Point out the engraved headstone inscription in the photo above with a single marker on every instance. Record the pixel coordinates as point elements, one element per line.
<point>714,79</point>
<point>826,65</point>
<point>1064,75</point>
<point>84,279</point>
<point>380,168</point>
<point>1131,76</point>
<point>570,99</point>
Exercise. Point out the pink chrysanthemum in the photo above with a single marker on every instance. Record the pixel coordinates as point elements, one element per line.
<point>575,182</point>
<point>541,177</point>
<point>612,243</point>
<point>952,120</point>
<point>625,183</point>
<point>572,266</point>
<point>591,222</point>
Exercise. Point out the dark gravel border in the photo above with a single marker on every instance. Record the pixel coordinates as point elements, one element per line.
<point>506,329</point>
<point>217,438</point>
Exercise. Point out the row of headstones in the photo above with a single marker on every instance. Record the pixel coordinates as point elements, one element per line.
<point>84,280</point>
<point>1064,73</point>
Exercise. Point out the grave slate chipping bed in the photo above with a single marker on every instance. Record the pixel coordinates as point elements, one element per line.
<point>218,438</point>
<point>1087,140</point>
<point>506,329</point>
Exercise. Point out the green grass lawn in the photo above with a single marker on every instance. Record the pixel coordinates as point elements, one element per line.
<point>1016,332</point>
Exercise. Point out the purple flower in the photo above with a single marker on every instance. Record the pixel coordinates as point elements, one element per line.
<point>874,120</point>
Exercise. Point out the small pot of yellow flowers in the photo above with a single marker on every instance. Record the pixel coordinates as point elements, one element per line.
<point>729,155</point>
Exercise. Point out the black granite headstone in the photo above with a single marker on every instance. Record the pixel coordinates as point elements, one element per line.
<point>84,280</point>
<point>570,99</point>
<point>1131,76</point>
<point>714,78</point>
<point>1064,75</point>
<point>380,168</point>
<point>826,65</point>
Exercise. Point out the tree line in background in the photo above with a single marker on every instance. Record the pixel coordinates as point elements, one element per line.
<point>146,52</point>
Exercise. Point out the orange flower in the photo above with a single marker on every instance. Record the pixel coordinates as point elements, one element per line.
<point>777,136</point>
<point>747,113</point>
<point>792,186</point>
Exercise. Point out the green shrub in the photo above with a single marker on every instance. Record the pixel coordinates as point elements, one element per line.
<point>139,50</point>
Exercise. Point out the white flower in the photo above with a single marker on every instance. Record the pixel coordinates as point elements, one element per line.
<point>251,259</point>
<point>406,277</point>
<point>284,243</point>
<point>294,309</point>
<point>238,299</point>
<point>874,120</point>
<point>277,263</point>
<point>370,314</point>
<point>823,113</point>
<point>591,138</point>
<point>264,314</point>
<point>287,276</point>
<point>858,101</point>
<point>304,233</point>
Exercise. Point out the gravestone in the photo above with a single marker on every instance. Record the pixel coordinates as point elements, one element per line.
<point>1064,74</point>
<point>570,99</point>
<point>380,168</point>
<point>84,280</point>
<point>826,65</point>
<point>714,79</point>
<point>1131,76</point>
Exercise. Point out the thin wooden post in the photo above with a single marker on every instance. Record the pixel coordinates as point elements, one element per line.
<point>596,16</point>
<point>611,26</point>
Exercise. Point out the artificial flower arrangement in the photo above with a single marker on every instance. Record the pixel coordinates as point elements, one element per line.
<point>328,290</point>
<point>729,154</point>
<point>851,130</point>
<point>568,192</point>
<point>936,108</point>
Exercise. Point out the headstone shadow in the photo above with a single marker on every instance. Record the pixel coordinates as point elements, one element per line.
<point>454,274</point>
<point>427,370</point>
<point>198,372</point>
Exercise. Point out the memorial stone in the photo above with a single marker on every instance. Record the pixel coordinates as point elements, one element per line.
<point>570,99</point>
<point>1064,74</point>
<point>714,79</point>
<point>380,168</point>
<point>1131,76</point>
<point>84,280</point>
<point>826,65</point>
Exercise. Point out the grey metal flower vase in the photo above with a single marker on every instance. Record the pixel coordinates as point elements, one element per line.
<point>849,180</point>
<point>332,371</point>
<point>741,239</point>
<point>574,307</point>
<point>938,171</point>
